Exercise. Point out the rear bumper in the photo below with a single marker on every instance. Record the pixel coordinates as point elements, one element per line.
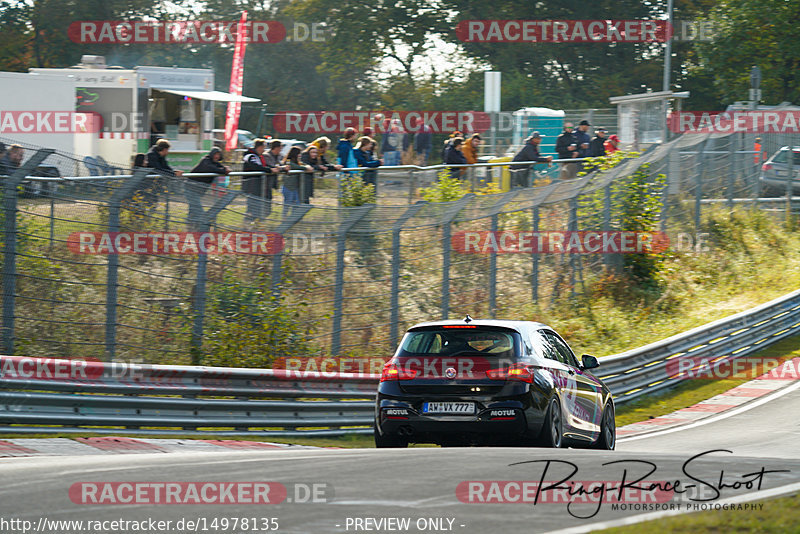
<point>493,418</point>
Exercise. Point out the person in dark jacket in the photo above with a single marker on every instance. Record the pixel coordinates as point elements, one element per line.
<point>597,144</point>
<point>291,185</point>
<point>567,148</point>
<point>259,196</point>
<point>529,152</point>
<point>454,155</point>
<point>311,158</point>
<point>196,186</point>
<point>363,153</point>
<point>582,138</point>
<point>157,159</point>
<point>11,160</point>
<point>423,141</point>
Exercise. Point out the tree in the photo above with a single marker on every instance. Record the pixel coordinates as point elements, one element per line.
<point>753,32</point>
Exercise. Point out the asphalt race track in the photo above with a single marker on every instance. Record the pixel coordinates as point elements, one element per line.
<point>365,487</point>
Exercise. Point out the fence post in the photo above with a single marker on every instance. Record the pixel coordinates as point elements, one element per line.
<point>112,273</point>
<point>199,300</point>
<point>394,330</point>
<point>572,226</point>
<point>338,297</point>
<point>731,172</point>
<point>10,185</point>
<point>607,220</point>
<point>297,213</point>
<point>535,258</point>
<point>698,193</point>
<point>494,212</point>
<point>412,185</point>
<point>448,216</point>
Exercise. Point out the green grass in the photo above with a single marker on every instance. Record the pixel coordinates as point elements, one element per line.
<point>691,392</point>
<point>779,516</point>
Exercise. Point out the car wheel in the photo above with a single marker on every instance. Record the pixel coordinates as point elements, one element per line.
<point>553,431</point>
<point>388,442</point>
<point>608,430</point>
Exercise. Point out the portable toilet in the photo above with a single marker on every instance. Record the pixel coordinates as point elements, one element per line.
<point>548,122</point>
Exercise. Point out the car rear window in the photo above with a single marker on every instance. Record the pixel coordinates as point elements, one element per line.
<point>783,157</point>
<point>454,341</point>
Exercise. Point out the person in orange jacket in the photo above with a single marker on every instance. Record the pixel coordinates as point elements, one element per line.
<point>470,148</point>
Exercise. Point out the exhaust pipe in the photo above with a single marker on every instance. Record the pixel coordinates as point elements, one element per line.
<point>405,431</point>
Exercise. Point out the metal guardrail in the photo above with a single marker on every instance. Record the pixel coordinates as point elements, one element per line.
<point>163,400</point>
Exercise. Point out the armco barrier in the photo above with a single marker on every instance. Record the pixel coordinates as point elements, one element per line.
<point>62,396</point>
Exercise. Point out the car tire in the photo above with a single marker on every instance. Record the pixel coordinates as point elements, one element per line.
<point>388,442</point>
<point>608,430</point>
<point>553,430</point>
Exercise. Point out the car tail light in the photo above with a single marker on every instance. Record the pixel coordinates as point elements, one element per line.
<point>766,167</point>
<point>392,372</point>
<point>519,373</point>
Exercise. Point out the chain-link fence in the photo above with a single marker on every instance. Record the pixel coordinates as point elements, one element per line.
<point>333,279</point>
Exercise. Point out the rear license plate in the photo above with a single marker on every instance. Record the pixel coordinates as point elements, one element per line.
<point>466,408</point>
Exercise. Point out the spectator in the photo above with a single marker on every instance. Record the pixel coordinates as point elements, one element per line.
<point>291,185</point>
<point>313,158</point>
<point>12,159</point>
<point>157,159</point>
<point>273,160</point>
<point>470,148</point>
<point>196,186</point>
<point>259,196</point>
<point>582,138</point>
<point>345,149</point>
<point>455,155</point>
<point>393,143</point>
<point>597,144</point>
<point>530,152</point>
<point>364,157</point>
<point>449,142</point>
<point>567,148</point>
<point>423,141</point>
<point>612,145</point>
<point>3,152</point>
<point>140,160</point>
<point>322,143</point>
<point>759,156</point>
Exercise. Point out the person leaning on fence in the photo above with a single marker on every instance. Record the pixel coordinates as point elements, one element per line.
<point>322,143</point>
<point>455,155</point>
<point>567,148</point>
<point>530,152</point>
<point>196,186</point>
<point>291,184</point>
<point>364,158</point>
<point>255,186</point>
<point>3,152</point>
<point>157,160</point>
<point>312,157</point>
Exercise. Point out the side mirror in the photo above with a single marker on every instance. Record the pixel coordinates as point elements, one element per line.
<point>589,362</point>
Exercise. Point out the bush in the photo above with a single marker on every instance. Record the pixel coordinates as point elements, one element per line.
<point>355,192</point>
<point>248,327</point>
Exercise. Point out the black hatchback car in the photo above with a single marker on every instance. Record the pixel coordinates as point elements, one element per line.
<point>491,382</point>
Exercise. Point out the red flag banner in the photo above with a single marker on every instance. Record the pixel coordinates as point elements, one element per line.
<point>237,78</point>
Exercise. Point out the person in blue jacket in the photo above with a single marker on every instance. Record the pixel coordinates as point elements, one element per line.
<point>363,154</point>
<point>345,148</point>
